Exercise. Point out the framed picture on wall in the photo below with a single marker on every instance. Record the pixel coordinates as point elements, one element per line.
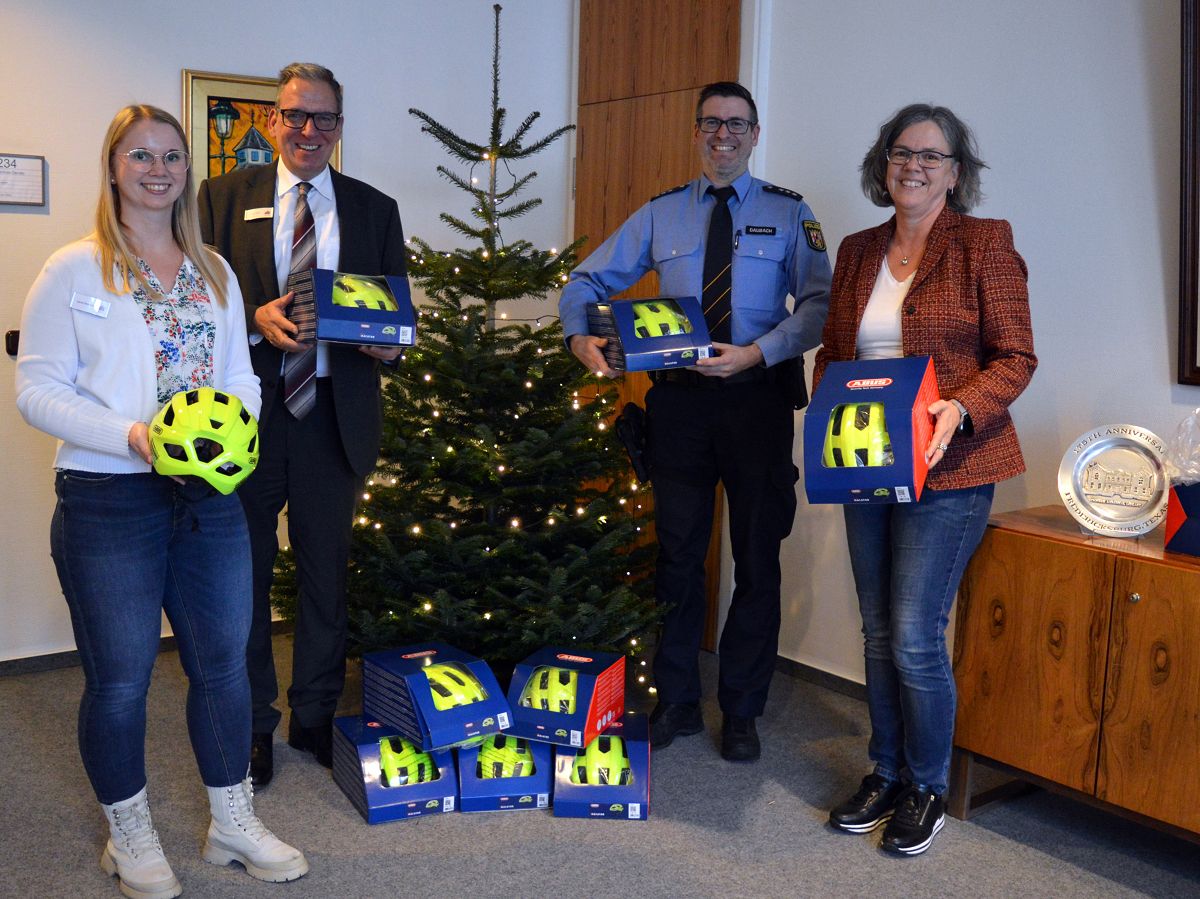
<point>1189,190</point>
<point>225,117</point>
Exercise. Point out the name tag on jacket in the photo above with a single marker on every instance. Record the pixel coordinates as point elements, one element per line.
<point>262,212</point>
<point>90,305</point>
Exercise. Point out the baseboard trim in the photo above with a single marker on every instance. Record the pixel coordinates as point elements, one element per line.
<point>55,660</point>
<point>821,678</point>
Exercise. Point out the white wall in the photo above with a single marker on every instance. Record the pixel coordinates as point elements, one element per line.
<point>68,65</point>
<point>1075,104</point>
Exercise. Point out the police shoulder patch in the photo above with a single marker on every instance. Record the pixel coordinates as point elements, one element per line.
<point>782,191</point>
<point>667,193</point>
<point>812,231</point>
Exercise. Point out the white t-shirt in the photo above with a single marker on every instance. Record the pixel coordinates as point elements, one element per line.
<point>879,334</point>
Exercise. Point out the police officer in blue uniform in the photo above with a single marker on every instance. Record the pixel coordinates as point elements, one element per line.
<point>729,418</point>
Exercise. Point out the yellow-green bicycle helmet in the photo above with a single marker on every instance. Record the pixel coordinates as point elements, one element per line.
<point>205,433</point>
<point>504,756</point>
<point>857,437</point>
<point>551,689</point>
<point>604,761</point>
<point>452,685</point>
<point>363,293</point>
<point>658,319</point>
<point>401,763</point>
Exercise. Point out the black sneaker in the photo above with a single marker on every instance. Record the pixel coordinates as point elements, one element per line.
<point>674,719</point>
<point>870,807</point>
<point>918,817</point>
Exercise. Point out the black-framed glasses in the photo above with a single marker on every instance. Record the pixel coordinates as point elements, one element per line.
<point>926,159</point>
<point>298,118</point>
<point>711,125</point>
<point>142,160</point>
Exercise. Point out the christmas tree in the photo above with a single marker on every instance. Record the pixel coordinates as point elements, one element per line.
<point>503,516</point>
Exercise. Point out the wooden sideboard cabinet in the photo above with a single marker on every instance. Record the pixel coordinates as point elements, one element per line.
<point>1077,660</point>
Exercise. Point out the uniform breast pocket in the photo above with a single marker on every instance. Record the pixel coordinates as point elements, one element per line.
<point>678,263</point>
<point>759,261</point>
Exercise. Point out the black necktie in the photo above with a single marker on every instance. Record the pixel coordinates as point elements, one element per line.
<point>718,279</point>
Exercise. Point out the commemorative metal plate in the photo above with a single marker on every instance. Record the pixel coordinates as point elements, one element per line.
<point>1113,483</point>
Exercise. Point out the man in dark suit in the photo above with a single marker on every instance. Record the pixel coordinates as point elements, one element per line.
<point>315,453</point>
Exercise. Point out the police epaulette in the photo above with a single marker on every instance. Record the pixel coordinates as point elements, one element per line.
<point>782,191</point>
<point>673,190</point>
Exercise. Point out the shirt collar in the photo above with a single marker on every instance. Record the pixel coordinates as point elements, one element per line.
<point>740,185</point>
<point>285,181</point>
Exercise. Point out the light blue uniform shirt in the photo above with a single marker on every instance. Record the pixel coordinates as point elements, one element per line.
<point>774,255</point>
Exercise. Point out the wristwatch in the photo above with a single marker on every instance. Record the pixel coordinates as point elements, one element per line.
<point>965,426</point>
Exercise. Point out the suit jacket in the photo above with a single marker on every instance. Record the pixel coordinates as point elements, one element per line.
<point>968,308</point>
<point>372,243</point>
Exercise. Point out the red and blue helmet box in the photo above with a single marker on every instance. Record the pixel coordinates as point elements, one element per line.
<point>361,309</point>
<point>1181,532</point>
<point>652,333</point>
<point>434,694</point>
<point>566,696</point>
<point>607,778</point>
<point>388,778</point>
<point>505,773</point>
<point>866,430</point>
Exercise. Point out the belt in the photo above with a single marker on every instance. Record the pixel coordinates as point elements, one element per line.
<point>687,377</point>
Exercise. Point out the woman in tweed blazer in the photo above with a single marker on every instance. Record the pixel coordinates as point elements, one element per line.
<point>930,281</point>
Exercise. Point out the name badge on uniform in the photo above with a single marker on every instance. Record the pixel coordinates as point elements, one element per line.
<point>91,305</point>
<point>760,229</point>
<point>262,212</point>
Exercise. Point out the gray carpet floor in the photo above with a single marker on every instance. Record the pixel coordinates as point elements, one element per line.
<point>715,829</point>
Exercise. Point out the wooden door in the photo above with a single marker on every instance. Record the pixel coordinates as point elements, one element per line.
<point>1150,746</point>
<point>1030,642</point>
<point>641,65</point>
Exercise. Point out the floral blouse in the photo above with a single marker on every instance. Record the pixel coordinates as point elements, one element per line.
<point>181,328</point>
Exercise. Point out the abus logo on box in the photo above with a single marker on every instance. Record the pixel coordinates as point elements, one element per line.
<point>417,655</point>
<point>570,658</point>
<point>860,383</point>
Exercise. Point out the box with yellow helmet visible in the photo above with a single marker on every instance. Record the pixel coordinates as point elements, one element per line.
<point>360,309</point>
<point>866,430</point>
<point>650,334</point>
<point>607,778</point>
<point>566,696</point>
<point>434,694</point>
<point>505,773</point>
<point>386,776</point>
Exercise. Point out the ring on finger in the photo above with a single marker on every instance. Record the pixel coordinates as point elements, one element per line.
<point>943,446</point>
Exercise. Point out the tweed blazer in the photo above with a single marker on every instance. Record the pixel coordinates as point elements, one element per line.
<point>968,308</point>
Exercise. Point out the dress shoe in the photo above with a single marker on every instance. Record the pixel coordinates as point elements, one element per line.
<point>870,807</point>
<point>317,740</point>
<point>739,740</point>
<point>918,817</point>
<point>262,760</point>
<point>674,719</point>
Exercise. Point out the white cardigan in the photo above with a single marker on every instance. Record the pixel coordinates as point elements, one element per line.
<point>86,378</point>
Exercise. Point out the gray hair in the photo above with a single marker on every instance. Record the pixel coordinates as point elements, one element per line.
<point>310,71</point>
<point>966,195</point>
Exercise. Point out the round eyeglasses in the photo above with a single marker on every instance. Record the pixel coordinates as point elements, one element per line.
<point>926,159</point>
<point>711,125</point>
<point>142,160</point>
<point>298,118</point>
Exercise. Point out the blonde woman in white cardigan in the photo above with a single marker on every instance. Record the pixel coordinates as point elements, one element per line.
<point>113,326</point>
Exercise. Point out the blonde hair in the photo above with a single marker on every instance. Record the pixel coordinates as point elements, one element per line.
<point>115,254</point>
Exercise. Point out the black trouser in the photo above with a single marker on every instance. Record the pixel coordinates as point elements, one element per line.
<point>303,465</point>
<point>741,435</point>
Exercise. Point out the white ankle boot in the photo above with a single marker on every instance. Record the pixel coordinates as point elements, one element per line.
<point>133,853</point>
<point>237,835</point>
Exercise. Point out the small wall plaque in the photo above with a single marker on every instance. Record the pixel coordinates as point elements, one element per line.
<point>22,182</point>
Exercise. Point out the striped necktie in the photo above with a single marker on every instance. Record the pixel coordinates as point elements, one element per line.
<point>300,369</point>
<point>718,260</point>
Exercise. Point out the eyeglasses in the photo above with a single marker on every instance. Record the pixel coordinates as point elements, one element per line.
<point>298,118</point>
<point>711,125</point>
<point>142,160</point>
<point>926,159</point>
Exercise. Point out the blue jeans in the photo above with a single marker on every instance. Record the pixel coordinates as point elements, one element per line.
<point>127,547</point>
<point>908,560</point>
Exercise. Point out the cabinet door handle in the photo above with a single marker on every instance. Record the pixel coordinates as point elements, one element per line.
<point>1135,597</point>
